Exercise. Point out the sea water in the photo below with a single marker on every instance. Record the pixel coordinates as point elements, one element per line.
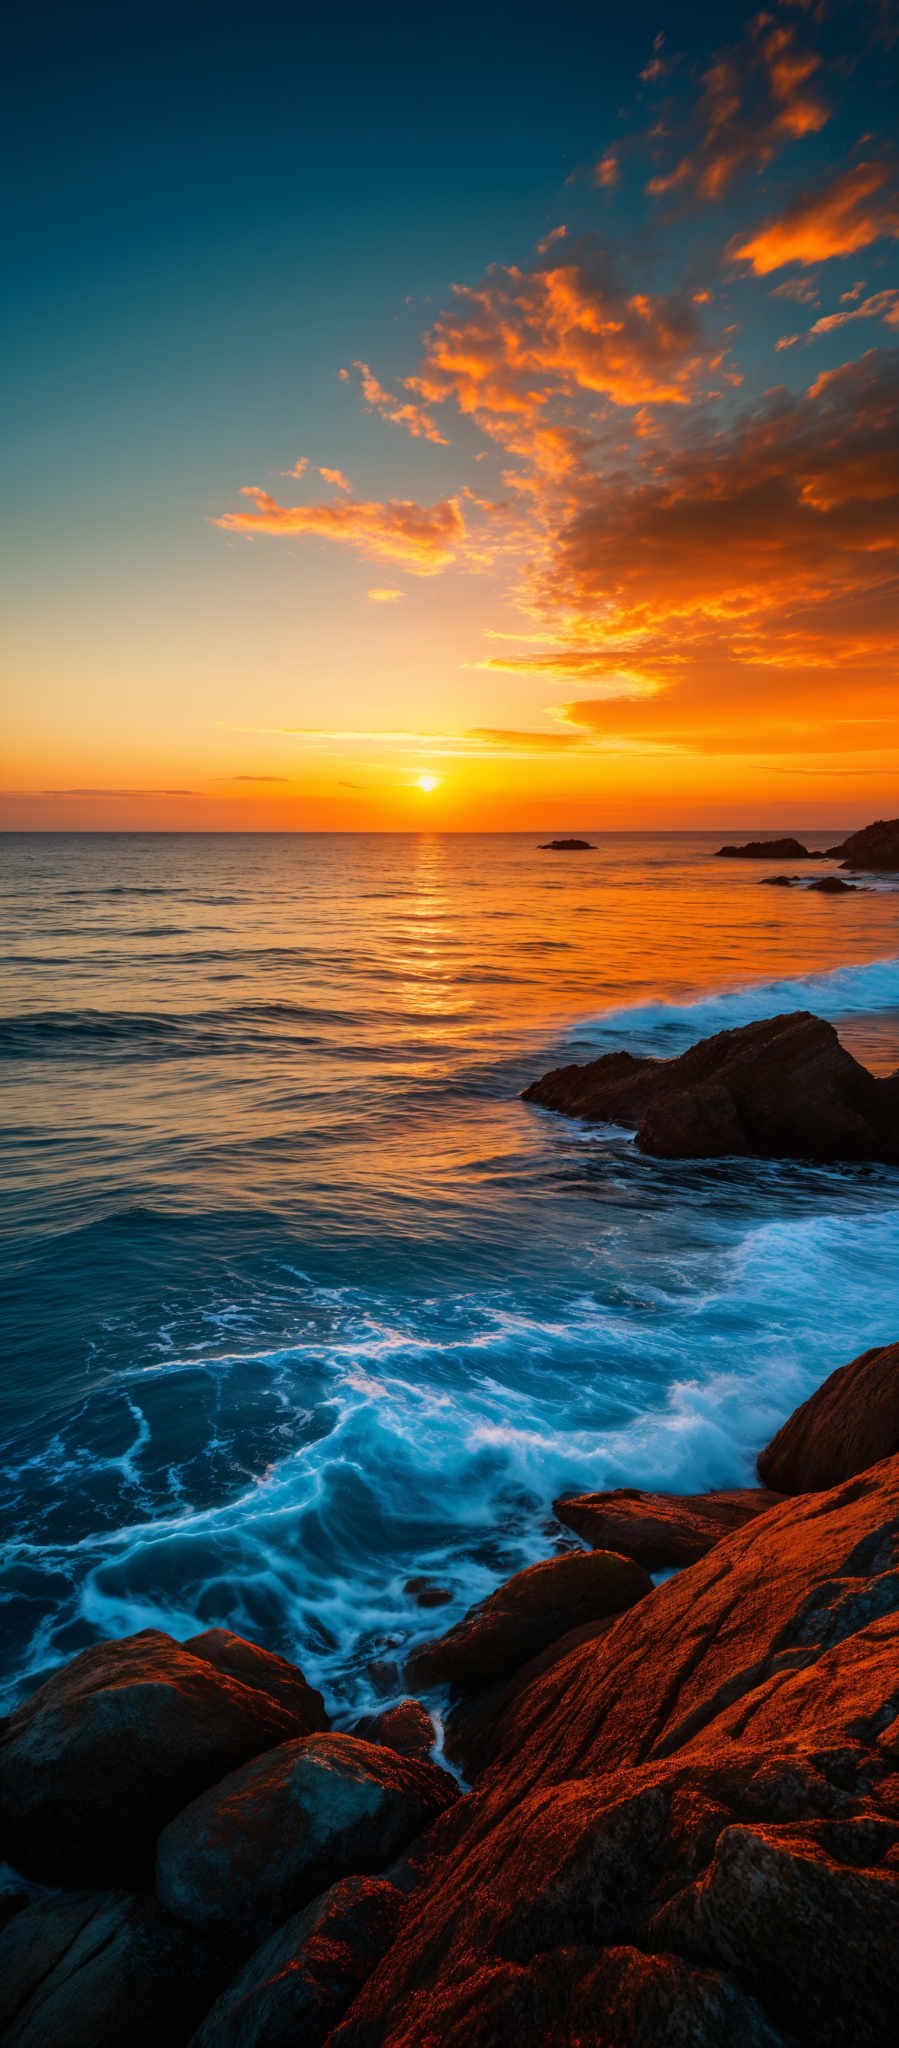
<point>302,1302</point>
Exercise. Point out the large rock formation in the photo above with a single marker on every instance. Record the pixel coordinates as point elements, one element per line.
<point>297,1986</point>
<point>844,1427</point>
<point>528,1612</point>
<point>875,848</point>
<point>781,1087</point>
<point>114,1744</point>
<point>690,1832</point>
<point>267,1839</point>
<point>661,1529</point>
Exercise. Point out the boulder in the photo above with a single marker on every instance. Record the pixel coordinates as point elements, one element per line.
<point>265,1841</point>
<point>768,849</point>
<point>407,1728</point>
<point>297,1986</point>
<point>875,848</point>
<point>102,1970</point>
<point>526,1614</point>
<point>846,1425</point>
<point>831,885</point>
<point>567,846</point>
<point>264,1671</point>
<point>779,881</point>
<point>114,1744</point>
<point>674,1813</point>
<point>781,1087</point>
<point>661,1530</point>
<point>426,1593</point>
<point>473,1727</point>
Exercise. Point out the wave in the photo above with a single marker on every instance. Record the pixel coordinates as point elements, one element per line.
<point>867,989</point>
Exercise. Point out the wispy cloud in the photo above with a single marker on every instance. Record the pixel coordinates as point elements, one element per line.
<point>425,538</point>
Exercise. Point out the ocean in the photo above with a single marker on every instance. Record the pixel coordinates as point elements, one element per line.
<point>302,1303</point>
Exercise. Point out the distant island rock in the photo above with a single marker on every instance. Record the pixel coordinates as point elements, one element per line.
<point>875,847</point>
<point>567,846</point>
<point>769,849</point>
<point>828,885</point>
<point>783,1087</point>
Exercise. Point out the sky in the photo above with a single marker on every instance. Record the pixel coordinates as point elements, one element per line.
<point>481,423</point>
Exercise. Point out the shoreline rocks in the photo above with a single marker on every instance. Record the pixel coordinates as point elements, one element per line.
<point>683,1824</point>
<point>875,848</point>
<point>769,849</point>
<point>783,1087</point>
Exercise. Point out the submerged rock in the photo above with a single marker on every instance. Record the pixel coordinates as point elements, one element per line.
<point>297,1986</point>
<point>102,1969</point>
<point>849,1423</point>
<point>782,1087</point>
<point>875,847</point>
<point>267,1839</point>
<point>661,1529</point>
<point>676,1811</point>
<point>114,1744</point>
<point>526,1614</point>
<point>779,881</point>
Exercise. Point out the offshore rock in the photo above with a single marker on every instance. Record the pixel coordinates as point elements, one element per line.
<point>113,1745</point>
<point>567,846</point>
<point>768,849</point>
<point>265,1841</point>
<point>831,885</point>
<point>846,1425</point>
<point>297,1986</point>
<point>101,1969</point>
<point>689,1823</point>
<point>661,1529</point>
<point>527,1614</point>
<point>875,848</point>
<point>782,1087</point>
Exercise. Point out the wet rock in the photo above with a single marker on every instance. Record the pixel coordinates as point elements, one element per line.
<point>781,1087</point>
<point>661,1529</point>
<point>264,1671</point>
<point>115,1743</point>
<point>848,1424</point>
<point>407,1728</point>
<point>768,849</point>
<point>526,1614</point>
<point>297,1986</point>
<point>831,885</point>
<point>267,1839</point>
<point>875,848</point>
<point>474,1728</point>
<point>780,881</point>
<point>426,1594</point>
<point>657,1851</point>
<point>102,1970</point>
<point>567,846</point>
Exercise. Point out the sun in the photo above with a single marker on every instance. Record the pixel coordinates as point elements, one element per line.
<point>427,783</point>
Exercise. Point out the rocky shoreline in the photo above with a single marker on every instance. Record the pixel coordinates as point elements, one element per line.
<point>680,1821</point>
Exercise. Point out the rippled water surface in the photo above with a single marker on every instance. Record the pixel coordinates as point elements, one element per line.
<point>303,1302</point>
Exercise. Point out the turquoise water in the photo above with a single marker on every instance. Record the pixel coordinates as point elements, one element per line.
<point>302,1301</point>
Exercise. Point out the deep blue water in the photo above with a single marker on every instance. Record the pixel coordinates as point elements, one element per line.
<point>301,1300</point>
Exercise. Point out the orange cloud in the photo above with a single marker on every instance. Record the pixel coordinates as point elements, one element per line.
<point>881,306</point>
<point>425,538</point>
<point>754,99</point>
<point>381,596</point>
<point>854,209</point>
<point>337,478</point>
<point>399,412</point>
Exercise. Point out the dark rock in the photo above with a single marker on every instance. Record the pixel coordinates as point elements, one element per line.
<point>830,885</point>
<point>780,881</point>
<point>767,849</point>
<point>297,1986</point>
<point>115,1743</point>
<point>407,1728</point>
<point>526,1614</point>
<point>567,846</point>
<point>846,1425</point>
<point>426,1594</point>
<point>473,1728</point>
<point>658,1852</point>
<point>782,1087</point>
<point>104,1970</point>
<point>875,848</point>
<point>267,1839</point>
<point>661,1529</point>
<point>265,1672</point>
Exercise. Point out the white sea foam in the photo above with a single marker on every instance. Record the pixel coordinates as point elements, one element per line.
<point>845,991</point>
